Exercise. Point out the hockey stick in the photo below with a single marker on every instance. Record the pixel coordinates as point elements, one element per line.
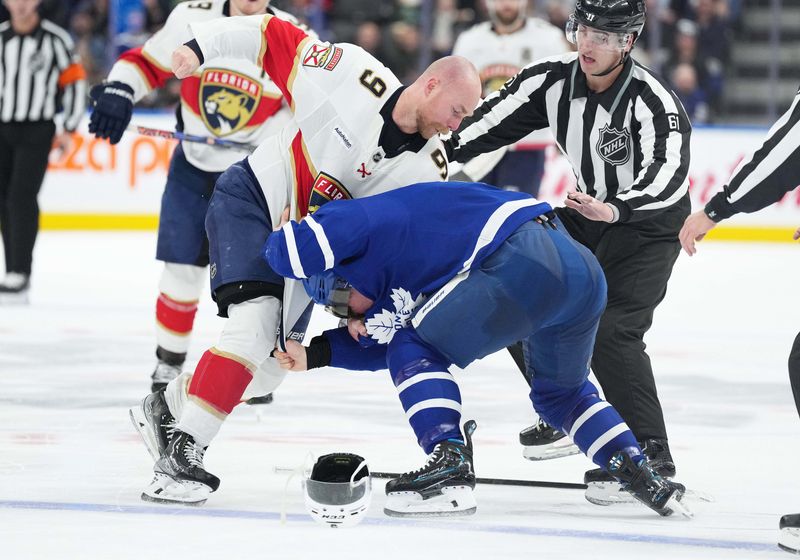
<point>180,136</point>
<point>505,482</point>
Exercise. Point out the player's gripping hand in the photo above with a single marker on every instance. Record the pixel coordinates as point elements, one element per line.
<point>294,359</point>
<point>113,107</point>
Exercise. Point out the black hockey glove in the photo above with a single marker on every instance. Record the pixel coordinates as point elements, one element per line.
<point>113,107</point>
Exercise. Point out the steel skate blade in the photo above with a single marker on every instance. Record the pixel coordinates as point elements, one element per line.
<point>453,501</point>
<point>607,494</point>
<point>145,431</point>
<point>561,448</point>
<point>676,504</point>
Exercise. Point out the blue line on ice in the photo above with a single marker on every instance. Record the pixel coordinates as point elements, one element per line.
<point>457,526</point>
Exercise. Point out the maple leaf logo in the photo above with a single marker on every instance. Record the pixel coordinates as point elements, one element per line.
<point>382,326</point>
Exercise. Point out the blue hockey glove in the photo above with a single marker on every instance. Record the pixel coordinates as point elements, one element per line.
<point>113,107</point>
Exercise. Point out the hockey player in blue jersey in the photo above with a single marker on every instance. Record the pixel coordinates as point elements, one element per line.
<point>436,274</point>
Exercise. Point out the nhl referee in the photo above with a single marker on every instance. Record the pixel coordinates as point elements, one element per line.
<point>626,136</point>
<point>39,77</point>
<point>760,180</point>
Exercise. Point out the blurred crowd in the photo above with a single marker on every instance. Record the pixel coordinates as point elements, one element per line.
<point>687,41</point>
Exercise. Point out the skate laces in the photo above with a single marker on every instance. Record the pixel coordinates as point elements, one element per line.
<point>540,426</point>
<point>193,453</point>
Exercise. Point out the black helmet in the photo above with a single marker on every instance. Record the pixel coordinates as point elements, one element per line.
<point>614,16</point>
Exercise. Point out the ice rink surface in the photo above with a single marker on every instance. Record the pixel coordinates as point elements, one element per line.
<point>72,467</point>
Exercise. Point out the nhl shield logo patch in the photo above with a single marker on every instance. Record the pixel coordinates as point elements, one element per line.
<point>227,100</point>
<point>614,146</point>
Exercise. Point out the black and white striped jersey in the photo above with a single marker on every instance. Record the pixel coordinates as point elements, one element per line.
<point>628,145</point>
<point>40,76</point>
<point>767,175</point>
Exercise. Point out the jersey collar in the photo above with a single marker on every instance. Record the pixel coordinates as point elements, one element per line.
<point>393,140</point>
<point>609,99</point>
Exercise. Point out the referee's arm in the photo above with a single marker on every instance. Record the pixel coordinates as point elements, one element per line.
<point>71,83</point>
<point>664,144</point>
<point>771,172</point>
<point>505,117</point>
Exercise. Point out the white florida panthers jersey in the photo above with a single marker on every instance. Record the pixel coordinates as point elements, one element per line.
<point>500,57</point>
<point>228,98</point>
<point>341,99</point>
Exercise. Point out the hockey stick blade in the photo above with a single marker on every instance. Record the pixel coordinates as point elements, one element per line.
<point>182,137</point>
<point>505,482</point>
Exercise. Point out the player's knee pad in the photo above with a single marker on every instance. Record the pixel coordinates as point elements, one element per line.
<point>555,403</point>
<point>251,330</point>
<point>182,282</point>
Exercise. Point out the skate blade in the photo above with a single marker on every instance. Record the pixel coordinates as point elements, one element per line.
<point>561,448</point>
<point>12,299</point>
<point>145,431</point>
<point>675,504</point>
<point>608,494</point>
<point>453,501</point>
<point>165,490</point>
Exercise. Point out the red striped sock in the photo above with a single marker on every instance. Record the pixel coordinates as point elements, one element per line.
<point>175,316</point>
<point>219,381</point>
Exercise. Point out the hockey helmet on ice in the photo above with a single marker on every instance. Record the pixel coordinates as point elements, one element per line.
<point>338,490</point>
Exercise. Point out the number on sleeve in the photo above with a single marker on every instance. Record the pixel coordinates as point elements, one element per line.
<point>441,163</point>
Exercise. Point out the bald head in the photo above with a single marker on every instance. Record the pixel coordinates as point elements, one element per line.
<point>454,71</point>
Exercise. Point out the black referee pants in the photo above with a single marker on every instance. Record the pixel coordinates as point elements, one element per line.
<point>24,149</point>
<point>637,259</point>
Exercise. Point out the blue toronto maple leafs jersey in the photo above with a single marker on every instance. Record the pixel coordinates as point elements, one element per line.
<point>400,247</point>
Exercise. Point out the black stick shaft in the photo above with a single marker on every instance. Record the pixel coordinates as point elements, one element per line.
<point>506,482</point>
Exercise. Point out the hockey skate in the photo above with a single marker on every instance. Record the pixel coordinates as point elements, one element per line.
<point>154,422</point>
<point>263,399</point>
<point>604,490</point>
<point>179,475</point>
<point>443,487</point>
<point>789,537</point>
<point>542,441</point>
<point>14,289</point>
<point>639,479</point>
<point>168,367</point>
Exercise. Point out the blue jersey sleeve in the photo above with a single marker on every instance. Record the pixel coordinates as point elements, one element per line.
<point>346,353</point>
<point>336,232</point>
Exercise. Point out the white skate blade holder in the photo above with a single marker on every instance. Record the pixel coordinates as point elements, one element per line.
<point>453,501</point>
<point>166,490</point>
<point>789,536</point>
<point>145,430</point>
<point>611,494</point>
<point>561,448</point>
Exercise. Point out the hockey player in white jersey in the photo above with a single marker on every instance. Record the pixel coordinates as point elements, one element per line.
<point>230,98</point>
<point>355,131</point>
<point>499,49</point>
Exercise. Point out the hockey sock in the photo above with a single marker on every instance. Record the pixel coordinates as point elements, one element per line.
<point>176,393</point>
<point>599,431</point>
<point>174,322</point>
<point>428,392</point>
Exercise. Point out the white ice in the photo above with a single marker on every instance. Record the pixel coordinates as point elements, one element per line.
<point>72,468</point>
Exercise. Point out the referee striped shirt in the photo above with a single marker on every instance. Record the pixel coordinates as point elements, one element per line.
<point>40,76</point>
<point>628,145</point>
<point>767,175</point>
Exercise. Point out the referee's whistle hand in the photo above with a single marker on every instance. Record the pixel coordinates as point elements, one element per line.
<point>184,62</point>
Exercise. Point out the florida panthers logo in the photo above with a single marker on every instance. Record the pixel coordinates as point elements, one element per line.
<point>227,100</point>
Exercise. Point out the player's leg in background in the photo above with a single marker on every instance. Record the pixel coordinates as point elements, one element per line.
<point>183,247</point>
<point>28,163</point>
<point>519,170</point>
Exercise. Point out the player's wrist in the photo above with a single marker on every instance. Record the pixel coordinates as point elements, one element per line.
<point>318,353</point>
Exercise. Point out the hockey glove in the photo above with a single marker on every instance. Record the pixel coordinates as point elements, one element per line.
<point>113,107</point>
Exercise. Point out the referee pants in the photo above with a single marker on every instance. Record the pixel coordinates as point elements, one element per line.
<point>637,259</point>
<point>24,150</point>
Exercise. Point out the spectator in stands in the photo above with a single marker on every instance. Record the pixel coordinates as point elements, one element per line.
<point>683,80</point>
